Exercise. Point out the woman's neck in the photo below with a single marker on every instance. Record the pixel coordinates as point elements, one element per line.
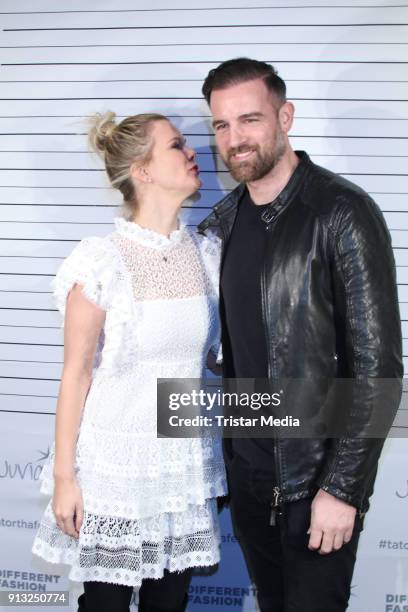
<point>162,219</point>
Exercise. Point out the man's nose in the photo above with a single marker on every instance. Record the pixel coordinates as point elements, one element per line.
<point>236,136</point>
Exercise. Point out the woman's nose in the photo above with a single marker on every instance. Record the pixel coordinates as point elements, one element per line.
<point>191,154</point>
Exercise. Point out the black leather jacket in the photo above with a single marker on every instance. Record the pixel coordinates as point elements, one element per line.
<point>330,310</point>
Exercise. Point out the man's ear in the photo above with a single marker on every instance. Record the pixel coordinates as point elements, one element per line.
<point>286,114</point>
<point>141,173</point>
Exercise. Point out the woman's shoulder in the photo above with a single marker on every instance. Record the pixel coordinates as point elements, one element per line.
<point>92,252</point>
<point>92,264</point>
<point>93,247</point>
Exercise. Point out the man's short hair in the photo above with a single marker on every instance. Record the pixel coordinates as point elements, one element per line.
<point>240,70</point>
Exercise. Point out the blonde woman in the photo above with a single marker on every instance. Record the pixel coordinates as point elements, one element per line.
<point>130,510</point>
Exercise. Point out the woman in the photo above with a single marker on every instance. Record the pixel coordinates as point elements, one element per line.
<point>128,509</point>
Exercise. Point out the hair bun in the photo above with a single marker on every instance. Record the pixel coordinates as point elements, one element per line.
<point>101,130</point>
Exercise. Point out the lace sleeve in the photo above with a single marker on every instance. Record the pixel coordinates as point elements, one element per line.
<point>87,265</point>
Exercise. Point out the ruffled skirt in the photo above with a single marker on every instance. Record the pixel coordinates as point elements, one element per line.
<point>149,503</point>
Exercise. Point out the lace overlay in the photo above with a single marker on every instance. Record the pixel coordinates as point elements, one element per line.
<point>148,503</point>
<point>126,551</point>
<point>176,269</point>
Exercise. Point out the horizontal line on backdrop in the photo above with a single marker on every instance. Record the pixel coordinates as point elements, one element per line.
<point>201,171</point>
<point>199,27</point>
<point>33,292</point>
<point>198,98</point>
<point>59,379</point>
<point>43,274</point>
<point>34,273</point>
<point>25,361</point>
<point>88,206</point>
<point>207,135</point>
<point>60,345</point>
<point>184,207</point>
<point>187,80</point>
<point>196,62</point>
<point>202,117</point>
<point>37,81</point>
<point>27,395</point>
<point>29,378</point>
<point>215,8</point>
<point>30,344</point>
<point>204,152</point>
<point>48,396</point>
<point>41,239</point>
<point>30,309</point>
<point>58,327</point>
<point>400,248</point>
<point>192,208</point>
<point>221,191</point>
<point>71,187</point>
<point>30,326</point>
<point>28,411</point>
<point>219,44</point>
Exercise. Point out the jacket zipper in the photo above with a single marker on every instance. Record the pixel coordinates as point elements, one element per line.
<point>277,490</point>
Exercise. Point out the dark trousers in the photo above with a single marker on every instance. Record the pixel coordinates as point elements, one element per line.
<point>289,577</point>
<point>167,594</point>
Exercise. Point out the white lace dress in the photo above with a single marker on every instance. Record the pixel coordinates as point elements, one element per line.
<point>149,503</point>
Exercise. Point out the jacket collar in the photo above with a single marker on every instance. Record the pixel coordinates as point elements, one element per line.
<point>230,202</point>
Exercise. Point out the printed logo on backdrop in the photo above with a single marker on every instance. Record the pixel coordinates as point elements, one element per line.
<point>29,470</point>
<point>229,538</point>
<point>18,524</point>
<point>396,603</point>
<point>211,596</point>
<point>23,580</point>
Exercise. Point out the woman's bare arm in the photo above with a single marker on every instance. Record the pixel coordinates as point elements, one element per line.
<point>83,324</point>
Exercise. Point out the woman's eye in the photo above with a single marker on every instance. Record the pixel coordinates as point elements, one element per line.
<point>178,144</point>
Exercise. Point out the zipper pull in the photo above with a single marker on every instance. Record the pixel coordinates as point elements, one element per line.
<point>277,497</point>
<point>275,506</point>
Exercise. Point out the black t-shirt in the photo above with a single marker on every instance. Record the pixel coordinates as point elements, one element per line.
<point>241,292</point>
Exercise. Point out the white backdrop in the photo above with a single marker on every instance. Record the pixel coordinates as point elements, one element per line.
<point>346,72</point>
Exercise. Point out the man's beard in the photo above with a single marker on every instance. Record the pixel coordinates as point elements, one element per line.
<point>257,167</point>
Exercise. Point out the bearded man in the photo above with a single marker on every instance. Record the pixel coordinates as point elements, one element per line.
<point>307,291</point>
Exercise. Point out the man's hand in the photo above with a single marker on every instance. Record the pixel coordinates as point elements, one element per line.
<point>331,523</point>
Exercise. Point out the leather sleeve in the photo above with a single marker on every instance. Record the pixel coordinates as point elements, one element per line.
<point>367,314</point>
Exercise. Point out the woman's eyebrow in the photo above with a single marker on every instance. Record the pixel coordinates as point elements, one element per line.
<point>178,138</point>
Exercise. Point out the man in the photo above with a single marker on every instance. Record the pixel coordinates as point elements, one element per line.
<point>307,291</point>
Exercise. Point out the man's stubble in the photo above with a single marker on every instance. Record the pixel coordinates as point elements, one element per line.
<point>264,161</point>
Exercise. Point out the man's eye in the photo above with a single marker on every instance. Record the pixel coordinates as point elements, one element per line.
<point>177,145</point>
<point>220,126</point>
<point>251,119</point>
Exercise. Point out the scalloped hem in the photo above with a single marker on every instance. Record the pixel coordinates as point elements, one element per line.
<point>125,577</point>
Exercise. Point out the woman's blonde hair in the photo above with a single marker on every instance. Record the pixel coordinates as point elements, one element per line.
<point>120,145</point>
